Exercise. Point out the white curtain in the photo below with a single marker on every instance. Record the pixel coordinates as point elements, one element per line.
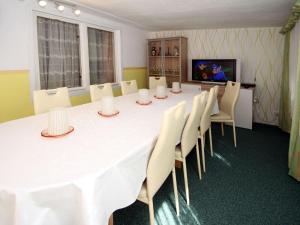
<point>294,43</point>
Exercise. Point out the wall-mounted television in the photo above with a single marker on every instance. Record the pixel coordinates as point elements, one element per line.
<point>215,70</point>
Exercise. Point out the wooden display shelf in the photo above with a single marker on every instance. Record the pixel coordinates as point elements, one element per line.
<point>155,75</point>
<point>172,75</point>
<point>170,55</point>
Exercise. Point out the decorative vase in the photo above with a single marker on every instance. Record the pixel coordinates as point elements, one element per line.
<point>153,51</point>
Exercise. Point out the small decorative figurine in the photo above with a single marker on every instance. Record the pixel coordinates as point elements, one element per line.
<point>153,51</point>
<point>176,51</point>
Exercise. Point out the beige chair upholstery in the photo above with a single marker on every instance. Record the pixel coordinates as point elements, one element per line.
<point>97,91</point>
<point>205,124</point>
<point>162,159</point>
<point>227,107</point>
<point>44,100</point>
<point>157,81</point>
<point>128,87</point>
<point>216,89</point>
<point>189,138</point>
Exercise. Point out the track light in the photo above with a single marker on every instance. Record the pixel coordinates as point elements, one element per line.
<point>77,12</point>
<point>42,3</point>
<point>60,7</point>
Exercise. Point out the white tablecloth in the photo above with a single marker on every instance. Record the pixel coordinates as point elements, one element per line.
<point>82,178</point>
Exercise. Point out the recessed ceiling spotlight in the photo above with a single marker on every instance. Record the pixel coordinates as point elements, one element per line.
<point>42,3</point>
<point>61,7</point>
<point>77,12</point>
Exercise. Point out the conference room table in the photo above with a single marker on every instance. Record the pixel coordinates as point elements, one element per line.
<point>83,177</point>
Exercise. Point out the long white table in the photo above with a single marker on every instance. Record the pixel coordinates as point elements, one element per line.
<point>82,178</point>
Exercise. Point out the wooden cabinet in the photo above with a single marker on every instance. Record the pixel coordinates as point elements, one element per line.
<point>168,57</point>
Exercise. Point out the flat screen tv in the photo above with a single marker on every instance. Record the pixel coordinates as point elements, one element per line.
<point>215,70</point>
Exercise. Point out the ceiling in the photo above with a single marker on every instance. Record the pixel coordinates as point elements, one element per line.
<point>191,14</point>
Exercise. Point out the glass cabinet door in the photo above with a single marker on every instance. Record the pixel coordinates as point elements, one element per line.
<point>155,57</point>
<point>172,62</point>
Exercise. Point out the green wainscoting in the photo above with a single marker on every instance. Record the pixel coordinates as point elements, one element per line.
<point>137,73</point>
<point>16,102</point>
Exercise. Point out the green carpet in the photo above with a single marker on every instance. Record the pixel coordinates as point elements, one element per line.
<point>247,185</point>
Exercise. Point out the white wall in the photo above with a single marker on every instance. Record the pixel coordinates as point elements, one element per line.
<point>14,34</point>
<point>17,34</point>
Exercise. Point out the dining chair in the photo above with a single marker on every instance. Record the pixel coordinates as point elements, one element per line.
<point>205,124</point>
<point>97,91</point>
<point>189,138</point>
<point>162,159</point>
<point>156,81</point>
<point>128,87</point>
<point>227,107</point>
<point>44,100</point>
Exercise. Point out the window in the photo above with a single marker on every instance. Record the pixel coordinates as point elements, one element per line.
<point>59,53</point>
<point>101,56</point>
<point>75,54</point>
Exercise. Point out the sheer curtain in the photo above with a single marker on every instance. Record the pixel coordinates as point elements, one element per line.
<point>284,110</point>
<point>59,53</point>
<point>101,56</point>
<point>294,150</point>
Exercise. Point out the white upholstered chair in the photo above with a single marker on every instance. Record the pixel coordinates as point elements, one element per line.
<point>205,124</point>
<point>162,159</point>
<point>189,138</point>
<point>227,107</point>
<point>128,87</point>
<point>44,100</point>
<point>97,91</point>
<point>157,81</point>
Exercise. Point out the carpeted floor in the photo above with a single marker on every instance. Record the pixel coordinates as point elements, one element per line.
<point>247,185</point>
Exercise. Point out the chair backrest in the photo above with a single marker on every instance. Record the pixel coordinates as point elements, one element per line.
<point>190,131</point>
<point>216,88</point>
<point>205,119</point>
<point>157,81</point>
<point>97,91</point>
<point>229,98</point>
<point>44,100</point>
<point>128,87</point>
<point>162,159</point>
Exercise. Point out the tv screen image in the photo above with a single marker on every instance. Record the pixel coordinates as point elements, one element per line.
<point>214,70</point>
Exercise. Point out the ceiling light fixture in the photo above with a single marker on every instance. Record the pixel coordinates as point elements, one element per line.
<point>77,12</point>
<point>60,7</point>
<point>42,3</point>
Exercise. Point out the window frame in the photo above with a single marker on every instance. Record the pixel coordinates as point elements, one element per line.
<point>84,52</point>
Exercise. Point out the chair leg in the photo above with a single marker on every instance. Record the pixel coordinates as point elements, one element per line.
<point>210,142</point>
<point>234,133</point>
<point>202,152</point>
<point>198,160</point>
<point>151,211</point>
<point>175,190</point>
<point>222,128</point>
<point>186,185</point>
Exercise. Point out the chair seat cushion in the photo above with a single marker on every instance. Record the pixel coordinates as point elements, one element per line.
<point>221,116</point>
